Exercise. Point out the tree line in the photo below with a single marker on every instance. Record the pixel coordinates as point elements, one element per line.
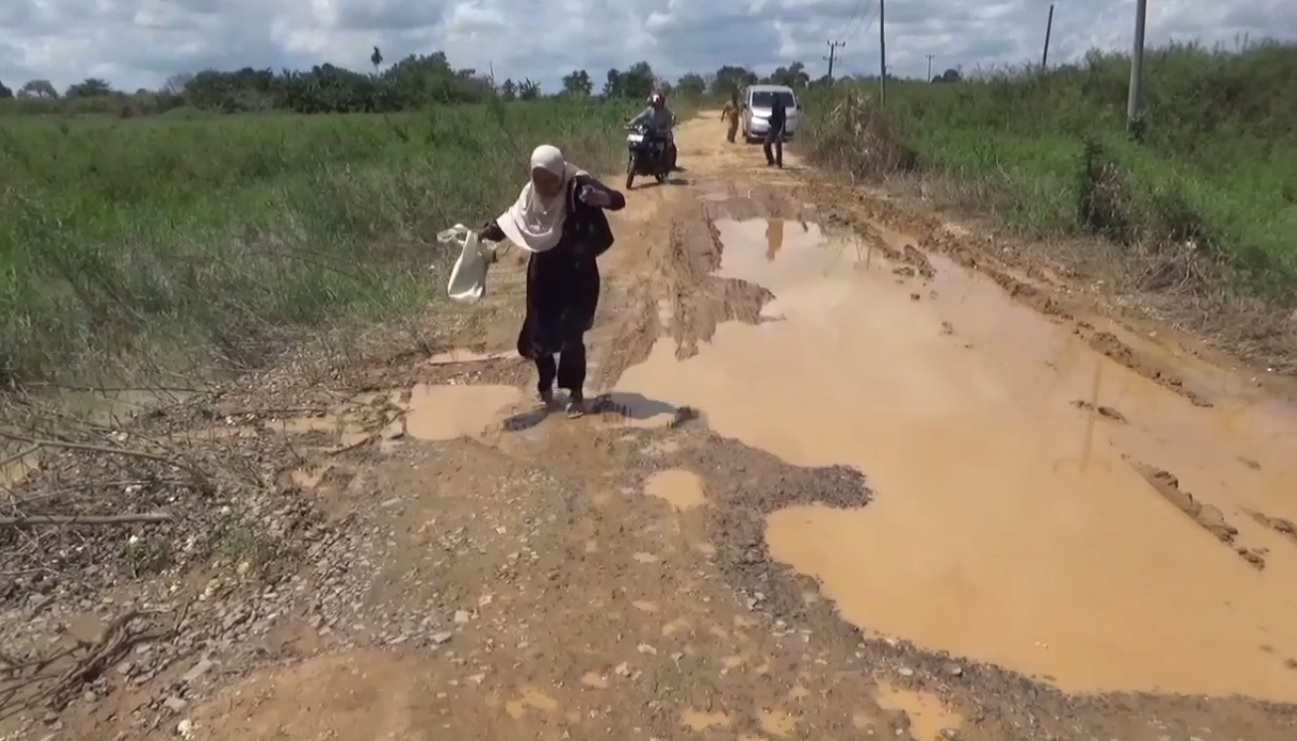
<point>413,82</point>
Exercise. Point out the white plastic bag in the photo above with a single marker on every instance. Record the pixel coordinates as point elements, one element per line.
<point>468,277</point>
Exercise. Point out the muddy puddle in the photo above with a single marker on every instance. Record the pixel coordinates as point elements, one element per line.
<point>1010,523</point>
<point>681,489</point>
<point>445,412</point>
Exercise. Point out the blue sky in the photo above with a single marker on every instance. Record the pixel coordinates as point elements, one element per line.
<point>139,43</point>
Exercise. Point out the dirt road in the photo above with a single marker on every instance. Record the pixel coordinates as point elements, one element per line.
<point>837,486</point>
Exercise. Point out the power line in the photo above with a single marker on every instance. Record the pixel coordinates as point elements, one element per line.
<point>862,19</point>
<point>873,16</point>
<point>854,20</point>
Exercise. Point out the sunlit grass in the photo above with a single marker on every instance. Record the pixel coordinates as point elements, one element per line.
<point>213,240</point>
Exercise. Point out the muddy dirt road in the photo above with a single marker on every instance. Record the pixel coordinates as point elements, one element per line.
<point>836,485</point>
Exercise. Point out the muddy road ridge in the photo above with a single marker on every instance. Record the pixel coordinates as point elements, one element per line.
<point>850,472</point>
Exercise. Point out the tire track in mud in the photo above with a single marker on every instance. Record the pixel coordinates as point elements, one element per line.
<point>1206,516</point>
<point>1037,289</point>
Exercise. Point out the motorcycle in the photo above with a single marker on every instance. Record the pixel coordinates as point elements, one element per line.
<point>645,155</point>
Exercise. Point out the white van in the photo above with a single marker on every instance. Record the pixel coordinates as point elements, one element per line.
<point>757,100</point>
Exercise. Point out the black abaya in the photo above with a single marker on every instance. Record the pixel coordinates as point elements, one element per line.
<point>563,290</point>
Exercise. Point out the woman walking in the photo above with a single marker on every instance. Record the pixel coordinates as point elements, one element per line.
<point>730,115</point>
<point>558,218</point>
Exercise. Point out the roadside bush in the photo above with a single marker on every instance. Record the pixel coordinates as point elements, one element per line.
<point>1215,177</point>
<point>856,137</point>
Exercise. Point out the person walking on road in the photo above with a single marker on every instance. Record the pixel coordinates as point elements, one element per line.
<point>731,116</point>
<point>775,134</point>
<point>559,219</point>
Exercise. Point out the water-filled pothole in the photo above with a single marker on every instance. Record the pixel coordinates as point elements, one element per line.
<point>1007,526</point>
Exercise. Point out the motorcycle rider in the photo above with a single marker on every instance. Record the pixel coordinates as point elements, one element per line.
<point>660,122</point>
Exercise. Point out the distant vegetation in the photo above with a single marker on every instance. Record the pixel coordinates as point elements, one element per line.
<point>1213,184</point>
<point>412,83</point>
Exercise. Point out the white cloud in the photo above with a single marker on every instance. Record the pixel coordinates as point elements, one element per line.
<point>139,43</point>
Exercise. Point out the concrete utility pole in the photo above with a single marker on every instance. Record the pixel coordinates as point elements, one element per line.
<point>1135,95</point>
<point>833,47</point>
<point>1049,26</point>
<point>929,56</point>
<point>882,51</point>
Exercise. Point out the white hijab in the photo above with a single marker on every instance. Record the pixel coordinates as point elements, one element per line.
<point>533,223</point>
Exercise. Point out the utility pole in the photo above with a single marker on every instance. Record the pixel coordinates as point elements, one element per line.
<point>929,56</point>
<point>1049,26</point>
<point>1135,95</point>
<point>833,47</point>
<point>882,51</point>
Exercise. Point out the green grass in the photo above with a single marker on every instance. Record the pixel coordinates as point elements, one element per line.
<point>126,243</point>
<point>1217,166</point>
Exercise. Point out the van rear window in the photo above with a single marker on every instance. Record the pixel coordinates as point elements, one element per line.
<point>766,99</point>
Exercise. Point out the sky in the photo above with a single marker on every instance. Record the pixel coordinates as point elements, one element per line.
<point>140,43</point>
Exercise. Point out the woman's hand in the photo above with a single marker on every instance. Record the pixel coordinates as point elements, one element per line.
<point>594,197</point>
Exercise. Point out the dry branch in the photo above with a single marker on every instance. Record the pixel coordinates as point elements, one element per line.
<point>19,455</point>
<point>115,641</point>
<point>124,519</point>
<point>92,448</point>
<point>199,476</point>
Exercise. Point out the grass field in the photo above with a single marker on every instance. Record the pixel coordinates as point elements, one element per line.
<point>139,243</point>
<point>1215,176</point>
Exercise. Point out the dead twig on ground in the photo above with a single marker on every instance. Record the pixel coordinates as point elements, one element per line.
<point>374,435</point>
<point>149,389</point>
<point>367,439</point>
<point>112,643</point>
<point>108,450</point>
<point>124,519</point>
<point>272,412</point>
<point>20,455</point>
<point>16,503</point>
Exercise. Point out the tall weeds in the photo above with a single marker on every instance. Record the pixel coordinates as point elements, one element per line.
<point>1214,180</point>
<point>146,243</point>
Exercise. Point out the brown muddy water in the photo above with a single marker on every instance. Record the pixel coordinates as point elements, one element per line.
<point>1010,525</point>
